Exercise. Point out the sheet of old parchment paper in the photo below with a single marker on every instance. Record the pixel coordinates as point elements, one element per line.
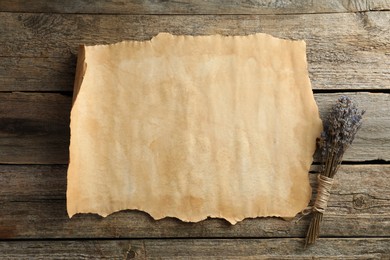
<point>191,127</point>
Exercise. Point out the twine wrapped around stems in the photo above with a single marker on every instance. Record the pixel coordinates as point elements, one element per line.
<point>323,193</point>
<point>320,204</point>
<point>340,129</point>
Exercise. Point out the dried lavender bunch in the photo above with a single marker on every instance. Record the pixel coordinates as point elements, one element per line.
<point>340,129</point>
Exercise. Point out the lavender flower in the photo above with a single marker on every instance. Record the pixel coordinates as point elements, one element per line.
<point>340,129</point>
<point>342,124</point>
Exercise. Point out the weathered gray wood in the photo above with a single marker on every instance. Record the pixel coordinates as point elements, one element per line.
<point>358,248</point>
<point>32,203</point>
<point>193,7</point>
<point>84,249</point>
<point>345,51</point>
<point>372,142</point>
<point>37,53</point>
<point>35,127</point>
<point>278,248</point>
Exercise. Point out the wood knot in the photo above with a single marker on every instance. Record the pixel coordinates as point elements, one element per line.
<point>130,254</point>
<point>359,201</point>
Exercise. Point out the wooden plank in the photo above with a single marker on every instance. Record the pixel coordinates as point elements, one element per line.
<point>37,74</point>
<point>35,127</point>
<point>372,141</point>
<point>32,182</point>
<point>32,203</point>
<point>193,7</point>
<point>277,248</point>
<point>84,249</point>
<point>330,248</point>
<point>355,56</point>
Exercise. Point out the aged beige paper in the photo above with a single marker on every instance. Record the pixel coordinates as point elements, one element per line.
<point>193,127</point>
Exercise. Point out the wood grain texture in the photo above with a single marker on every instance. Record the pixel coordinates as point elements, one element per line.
<point>193,7</point>
<point>375,120</point>
<point>84,249</point>
<point>37,74</point>
<point>267,249</point>
<point>32,203</point>
<point>344,50</point>
<point>34,128</point>
<point>348,48</point>
<point>327,248</point>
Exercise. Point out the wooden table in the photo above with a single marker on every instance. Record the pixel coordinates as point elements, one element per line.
<point>348,44</point>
